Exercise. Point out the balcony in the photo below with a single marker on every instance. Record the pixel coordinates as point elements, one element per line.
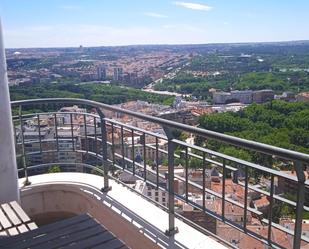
<point>149,187</point>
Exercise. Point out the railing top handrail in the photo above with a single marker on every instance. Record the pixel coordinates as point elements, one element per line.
<point>240,142</point>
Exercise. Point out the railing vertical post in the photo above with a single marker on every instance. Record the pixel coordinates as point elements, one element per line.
<point>56,133</point>
<point>157,162</point>
<point>72,132</point>
<point>270,211</point>
<point>113,145</point>
<point>122,148</point>
<point>299,205</point>
<point>24,162</point>
<point>187,176</point>
<point>143,138</point>
<point>246,198</point>
<point>96,139</point>
<point>105,163</point>
<point>133,151</point>
<point>171,193</point>
<point>204,180</point>
<point>40,138</point>
<point>223,189</point>
<point>86,137</point>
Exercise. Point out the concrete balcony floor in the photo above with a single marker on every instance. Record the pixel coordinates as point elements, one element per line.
<point>133,219</point>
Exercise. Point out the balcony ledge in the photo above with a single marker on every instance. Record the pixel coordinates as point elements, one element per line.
<point>147,219</point>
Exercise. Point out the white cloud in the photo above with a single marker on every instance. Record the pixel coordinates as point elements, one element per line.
<point>155,15</point>
<point>193,6</point>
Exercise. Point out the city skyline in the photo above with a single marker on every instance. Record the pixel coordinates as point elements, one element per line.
<point>71,23</point>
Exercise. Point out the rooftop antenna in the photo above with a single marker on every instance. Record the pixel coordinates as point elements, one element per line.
<point>8,169</point>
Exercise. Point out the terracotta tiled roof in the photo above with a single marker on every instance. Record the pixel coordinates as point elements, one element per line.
<point>304,94</point>
<point>244,241</point>
<point>262,202</point>
<point>230,188</point>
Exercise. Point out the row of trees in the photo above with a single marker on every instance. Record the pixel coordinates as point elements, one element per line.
<point>276,123</point>
<point>199,86</point>
<point>108,94</point>
<point>281,68</point>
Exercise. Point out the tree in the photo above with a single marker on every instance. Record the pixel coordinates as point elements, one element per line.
<point>195,163</point>
<point>54,169</point>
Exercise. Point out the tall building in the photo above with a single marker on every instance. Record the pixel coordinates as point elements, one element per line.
<point>118,74</point>
<point>101,72</point>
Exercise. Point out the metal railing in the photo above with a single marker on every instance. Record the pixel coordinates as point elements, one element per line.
<point>97,141</point>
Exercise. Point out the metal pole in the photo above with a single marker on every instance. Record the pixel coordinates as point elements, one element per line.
<point>40,139</point>
<point>122,148</point>
<point>299,205</point>
<point>24,161</point>
<point>171,193</point>
<point>105,163</point>
<point>223,190</point>
<point>270,210</point>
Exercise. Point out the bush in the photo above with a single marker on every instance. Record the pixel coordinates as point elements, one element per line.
<point>54,169</point>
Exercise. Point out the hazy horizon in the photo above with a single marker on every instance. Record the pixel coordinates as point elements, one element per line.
<point>171,44</point>
<point>93,23</point>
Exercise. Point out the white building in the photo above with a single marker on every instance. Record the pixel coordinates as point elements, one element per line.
<point>151,192</point>
<point>150,149</point>
<point>198,199</point>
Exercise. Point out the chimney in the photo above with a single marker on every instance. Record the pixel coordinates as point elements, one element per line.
<point>9,190</point>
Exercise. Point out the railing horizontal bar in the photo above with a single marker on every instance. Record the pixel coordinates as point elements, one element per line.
<point>204,230</point>
<point>31,115</point>
<point>158,135</point>
<point>277,197</point>
<point>139,193</point>
<point>229,222</point>
<point>140,165</point>
<point>209,191</point>
<point>209,160</point>
<point>237,160</point>
<point>252,165</point>
<point>284,229</point>
<point>256,146</point>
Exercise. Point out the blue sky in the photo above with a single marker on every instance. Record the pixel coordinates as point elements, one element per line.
<point>59,23</point>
